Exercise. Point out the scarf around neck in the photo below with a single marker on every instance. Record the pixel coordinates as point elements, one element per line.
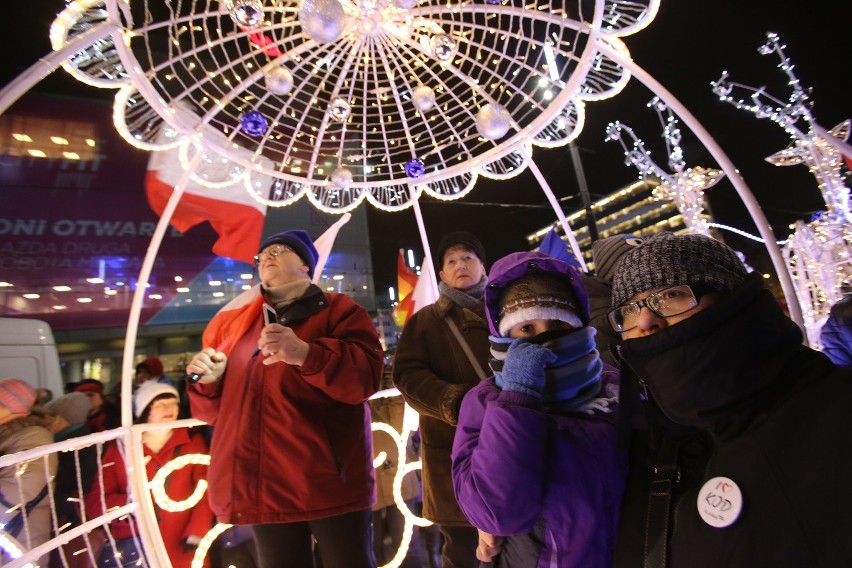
<point>288,293</point>
<point>470,298</point>
<point>718,368</point>
<point>573,379</point>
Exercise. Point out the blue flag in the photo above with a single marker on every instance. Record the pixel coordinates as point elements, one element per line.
<point>553,245</point>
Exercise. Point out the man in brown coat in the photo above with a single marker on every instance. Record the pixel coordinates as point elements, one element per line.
<point>433,371</point>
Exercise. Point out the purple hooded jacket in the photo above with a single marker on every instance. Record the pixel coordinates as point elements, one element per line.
<point>552,483</point>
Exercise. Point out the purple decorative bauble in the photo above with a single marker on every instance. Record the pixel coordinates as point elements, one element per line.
<point>254,124</point>
<point>493,1</point>
<point>415,168</point>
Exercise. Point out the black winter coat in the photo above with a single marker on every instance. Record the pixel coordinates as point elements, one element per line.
<point>737,393</point>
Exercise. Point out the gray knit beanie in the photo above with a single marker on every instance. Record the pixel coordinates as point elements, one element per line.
<point>666,259</point>
<point>73,407</point>
<point>606,253</point>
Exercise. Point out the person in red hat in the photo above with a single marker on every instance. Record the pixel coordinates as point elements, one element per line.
<point>151,369</point>
<point>103,415</point>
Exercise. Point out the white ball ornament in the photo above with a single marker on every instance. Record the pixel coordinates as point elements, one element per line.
<point>493,121</point>
<point>278,80</point>
<point>322,20</point>
<point>405,4</point>
<point>423,97</point>
<point>341,177</point>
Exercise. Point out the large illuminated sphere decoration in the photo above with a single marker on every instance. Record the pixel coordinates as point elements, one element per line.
<point>345,101</point>
<point>468,87</point>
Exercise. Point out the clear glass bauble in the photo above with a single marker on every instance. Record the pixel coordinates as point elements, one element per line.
<point>443,47</point>
<point>278,80</point>
<point>423,97</point>
<point>246,13</point>
<point>341,177</point>
<point>339,109</point>
<point>493,121</point>
<point>322,20</point>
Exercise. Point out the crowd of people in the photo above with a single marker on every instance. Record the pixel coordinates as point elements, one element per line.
<point>661,411</point>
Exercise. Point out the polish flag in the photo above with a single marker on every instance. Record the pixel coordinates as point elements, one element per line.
<point>233,213</point>
<point>424,292</point>
<point>406,280</point>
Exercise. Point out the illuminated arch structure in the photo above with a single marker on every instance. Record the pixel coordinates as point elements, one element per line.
<point>340,102</point>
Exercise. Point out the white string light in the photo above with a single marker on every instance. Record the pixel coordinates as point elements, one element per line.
<point>158,483</point>
<point>684,186</point>
<point>470,55</point>
<point>819,252</point>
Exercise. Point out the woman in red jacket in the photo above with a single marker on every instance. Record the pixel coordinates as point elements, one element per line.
<point>181,531</point>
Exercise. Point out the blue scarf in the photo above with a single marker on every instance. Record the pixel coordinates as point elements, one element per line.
<point>573,379</point>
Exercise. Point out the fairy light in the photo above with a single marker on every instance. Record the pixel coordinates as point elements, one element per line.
<point>386,51</point>
<point>158,483</point>
<point>683,186</point>
<point>404,468</point>
<point>206,542</point>
<point>818,254</point>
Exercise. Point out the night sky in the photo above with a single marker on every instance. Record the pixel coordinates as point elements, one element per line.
<point>688,45</point>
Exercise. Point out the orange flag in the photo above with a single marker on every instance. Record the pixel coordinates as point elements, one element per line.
<point>406,280</point>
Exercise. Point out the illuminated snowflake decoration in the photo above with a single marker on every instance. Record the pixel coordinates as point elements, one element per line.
<point>387,59</point>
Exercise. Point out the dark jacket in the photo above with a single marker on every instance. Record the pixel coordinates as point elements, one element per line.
<point>836,334</point>
<point>433,373</point>
<point>600,303</point>
<point>293,443</point>
<point>739,396</point>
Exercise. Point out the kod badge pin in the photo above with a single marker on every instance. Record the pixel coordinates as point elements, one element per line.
<point>720,502</point>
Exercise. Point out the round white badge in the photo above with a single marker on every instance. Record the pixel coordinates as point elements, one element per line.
<point>720,502</point>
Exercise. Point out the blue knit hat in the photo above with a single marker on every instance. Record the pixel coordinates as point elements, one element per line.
<point>301,244</point>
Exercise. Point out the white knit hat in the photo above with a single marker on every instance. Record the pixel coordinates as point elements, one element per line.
<point>148,391</point>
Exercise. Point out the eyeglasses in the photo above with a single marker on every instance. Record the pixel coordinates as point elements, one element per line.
<point>665,303</point>
<point>271,252</point>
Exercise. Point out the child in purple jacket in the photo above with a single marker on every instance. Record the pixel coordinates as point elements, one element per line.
<point>535,458</point>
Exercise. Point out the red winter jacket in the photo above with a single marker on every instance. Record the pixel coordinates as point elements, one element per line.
<point>174,526</point>
<point>293,443</point>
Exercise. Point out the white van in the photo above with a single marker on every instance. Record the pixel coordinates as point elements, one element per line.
<point>28,352</point>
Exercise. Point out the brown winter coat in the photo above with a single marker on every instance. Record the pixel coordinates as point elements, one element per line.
<point>433,373</point>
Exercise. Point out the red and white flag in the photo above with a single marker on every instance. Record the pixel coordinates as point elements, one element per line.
<point>234,214</point>
<point>424,292</point>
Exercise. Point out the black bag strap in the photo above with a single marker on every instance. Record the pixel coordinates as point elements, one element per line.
<point>663,481</point>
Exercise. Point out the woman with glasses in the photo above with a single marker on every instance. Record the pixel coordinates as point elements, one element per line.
<point>181,531</point>
<point>284,379</point>
<point>742,455</point>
